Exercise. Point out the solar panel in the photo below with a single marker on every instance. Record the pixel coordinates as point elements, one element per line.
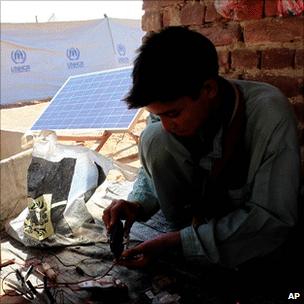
<point>90,101</point>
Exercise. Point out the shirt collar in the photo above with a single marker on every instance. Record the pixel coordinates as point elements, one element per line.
<point>175,147</point>
<point>206,161</point>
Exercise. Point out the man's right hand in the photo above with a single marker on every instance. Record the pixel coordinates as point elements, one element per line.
<point>121,210</point>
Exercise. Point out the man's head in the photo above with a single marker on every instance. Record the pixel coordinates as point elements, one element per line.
<point>174,76</point>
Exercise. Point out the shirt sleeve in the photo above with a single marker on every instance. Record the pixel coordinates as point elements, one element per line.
<point>143,193</point>
<point>262,224</point>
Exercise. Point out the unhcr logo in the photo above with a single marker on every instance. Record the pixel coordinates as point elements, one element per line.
<point>121,50</point>
<point>73,54</point>
<point>19,57</point>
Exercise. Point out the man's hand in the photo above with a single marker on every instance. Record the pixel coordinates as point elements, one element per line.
<point>121,210</point>
<point>141,255</point>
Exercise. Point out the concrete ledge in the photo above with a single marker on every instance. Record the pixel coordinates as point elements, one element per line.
<point>10,143</point>
<point>13,197</point>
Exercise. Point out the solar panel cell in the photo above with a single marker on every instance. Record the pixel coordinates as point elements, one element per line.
<point>90,101</point>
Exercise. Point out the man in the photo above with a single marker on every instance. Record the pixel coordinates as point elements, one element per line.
<point>222,164</point>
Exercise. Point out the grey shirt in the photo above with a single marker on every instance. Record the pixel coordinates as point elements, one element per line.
<point>266,207</point>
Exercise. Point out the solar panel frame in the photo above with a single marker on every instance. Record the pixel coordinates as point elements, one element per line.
<point>73,109</point>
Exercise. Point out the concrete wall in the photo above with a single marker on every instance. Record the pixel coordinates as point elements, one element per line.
<point>13,196</point>
<point>10,143</point>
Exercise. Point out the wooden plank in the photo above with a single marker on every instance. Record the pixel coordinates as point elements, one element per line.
<point>122,150</point>
<point>79,138</point>
<point>136,120</point>
<point>135,137</point>
<point>128,158</point>
<point>103,139</point>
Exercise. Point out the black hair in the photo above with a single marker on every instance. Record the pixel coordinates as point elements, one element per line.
<point>172,63</point>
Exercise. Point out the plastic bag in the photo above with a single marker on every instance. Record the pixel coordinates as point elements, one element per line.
<point>61,178</point>
<point>232,9</point>
<point>290,7</point>
<point>229,8</point>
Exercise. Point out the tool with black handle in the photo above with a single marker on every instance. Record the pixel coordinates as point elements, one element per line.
<point>117,239</point>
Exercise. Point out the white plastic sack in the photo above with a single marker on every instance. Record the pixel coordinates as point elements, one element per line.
<point>61,178</point>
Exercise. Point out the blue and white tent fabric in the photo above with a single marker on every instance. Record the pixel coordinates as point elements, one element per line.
<point>37,58</point>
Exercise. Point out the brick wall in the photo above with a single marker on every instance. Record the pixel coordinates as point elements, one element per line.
<point>256,43</point>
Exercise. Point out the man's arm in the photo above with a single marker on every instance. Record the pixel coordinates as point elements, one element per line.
<point>140,206</point>
<point>263,223</point>
<point>143,193</point>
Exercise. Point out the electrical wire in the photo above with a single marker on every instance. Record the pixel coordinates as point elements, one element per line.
<point>63,263</point>
<point>77,267</point>
<point>58,284</point>
<point>16,289</point>
<point>66,284</point>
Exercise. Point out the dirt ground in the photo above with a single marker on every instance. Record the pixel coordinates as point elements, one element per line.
<point>21,118</point>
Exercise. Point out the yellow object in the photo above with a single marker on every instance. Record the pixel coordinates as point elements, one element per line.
<point>38,223</point>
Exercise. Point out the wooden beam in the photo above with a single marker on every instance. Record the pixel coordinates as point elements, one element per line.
<point>103,139</point>
<point>135,137</point>
<point>122,150</point>
<point>128,159</point>
<point>81,139</point>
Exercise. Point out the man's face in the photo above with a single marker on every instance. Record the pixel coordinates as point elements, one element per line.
<point>184,116</point>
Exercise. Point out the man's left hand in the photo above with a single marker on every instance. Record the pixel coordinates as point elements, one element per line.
<point>143,254</point>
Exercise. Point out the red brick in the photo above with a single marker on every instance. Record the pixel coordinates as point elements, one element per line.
<point>211,14</point>
<point>277,58</point>
<point>240,9</point>
<point>249,10</point>
<point>222,34</point>
<point>295,99</point>
<point>271,8</point>
<point>171,16</point>
<point>193,14</point>
<point>244,59</point>
<point>151,21</point>
<point>233,75</point>
<point>150,5</point>
<point>166,3</point>
<point>223,59</point>
<point>274,30</point>
<point>290,86</point>
<point>299,59</point>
